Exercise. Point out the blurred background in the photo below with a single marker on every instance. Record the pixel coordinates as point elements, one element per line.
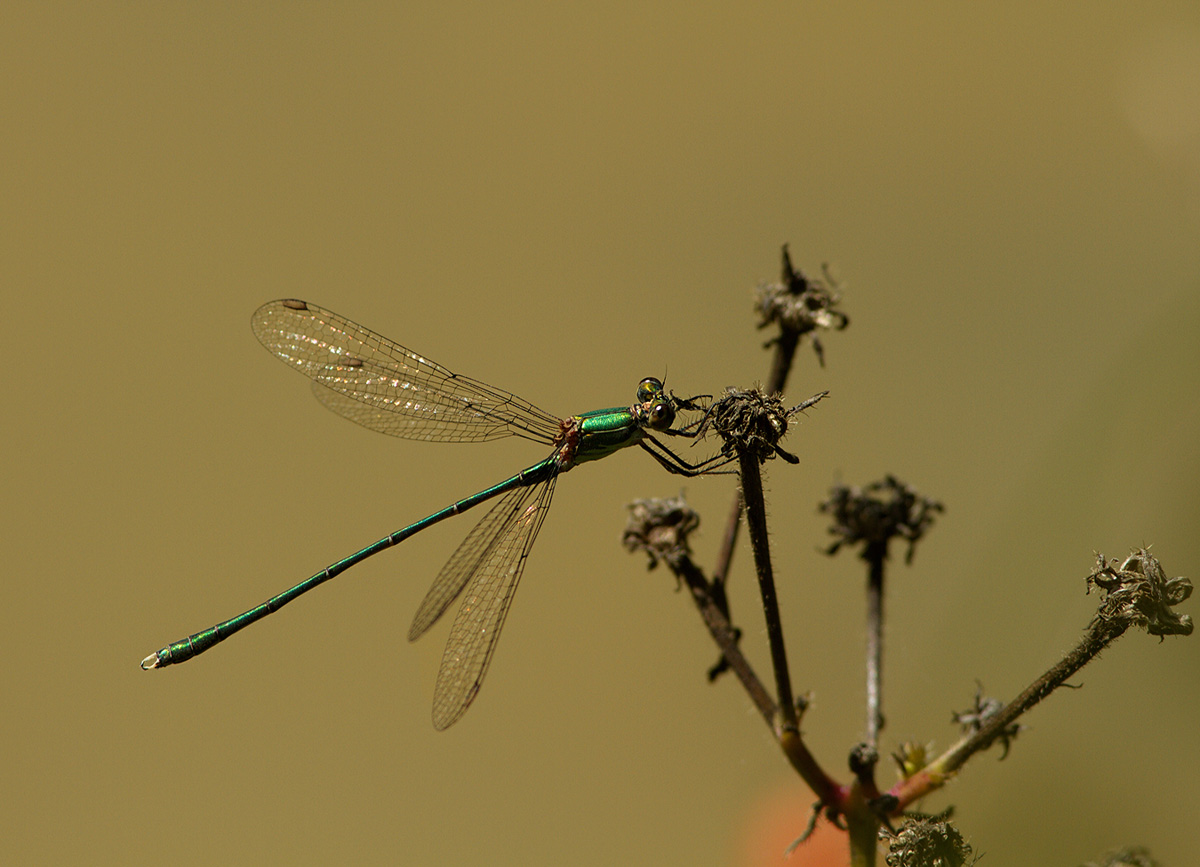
<point>562,200</point>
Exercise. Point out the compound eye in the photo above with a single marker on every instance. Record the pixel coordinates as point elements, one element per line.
<point>649,389</point>
<point>662,416</point>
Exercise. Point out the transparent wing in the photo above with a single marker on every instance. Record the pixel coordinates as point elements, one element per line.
<point>384,386</point>
<point>466,559</point>
<point>489,562</point>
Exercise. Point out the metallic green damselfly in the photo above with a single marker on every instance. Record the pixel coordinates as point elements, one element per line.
<point>385,387</point>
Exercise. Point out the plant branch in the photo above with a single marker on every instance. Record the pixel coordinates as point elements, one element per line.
<point>875,646</point>
<point>799,306</point>
<point>1137,593</point>
<point>728,540</point>
<point>756,520</point>
<point>872,516</point>
<point>660,528</point>
<point>722,632</point>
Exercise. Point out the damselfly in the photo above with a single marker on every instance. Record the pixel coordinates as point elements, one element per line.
<point>384,386</point>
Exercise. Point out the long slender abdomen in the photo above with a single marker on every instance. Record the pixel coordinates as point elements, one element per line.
<point>197,643</point>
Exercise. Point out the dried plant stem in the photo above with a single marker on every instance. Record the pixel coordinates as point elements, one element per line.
<point>756,520</point>
<point>728,540</point>
<point>781,361</point>
<point>875,648</point>
<point>718,625</point>
<point>1100,634</point>
<point>781,366</point>
<point>788,339</point>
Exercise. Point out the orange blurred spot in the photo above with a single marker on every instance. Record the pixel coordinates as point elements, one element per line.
<point>775,821</point>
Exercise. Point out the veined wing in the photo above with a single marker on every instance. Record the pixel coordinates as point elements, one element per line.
<point>466,559</point>
<point>386,387</point>
<point>489,564</point>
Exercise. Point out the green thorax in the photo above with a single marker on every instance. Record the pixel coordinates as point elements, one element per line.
<point>604,431</point>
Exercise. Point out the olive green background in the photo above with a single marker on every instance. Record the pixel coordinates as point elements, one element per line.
<point>562,200</point>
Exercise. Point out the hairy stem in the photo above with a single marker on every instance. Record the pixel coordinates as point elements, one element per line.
<point>718,625</point>
<point>756,520</point>
<point>1100,634</point>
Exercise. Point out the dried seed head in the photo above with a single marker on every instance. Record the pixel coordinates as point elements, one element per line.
<point>876,514</point>
<point>751,422</point>
<point>1138,593</point>
<point>660,527</point>
<point>928,840</point>
<point>801,305</point>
